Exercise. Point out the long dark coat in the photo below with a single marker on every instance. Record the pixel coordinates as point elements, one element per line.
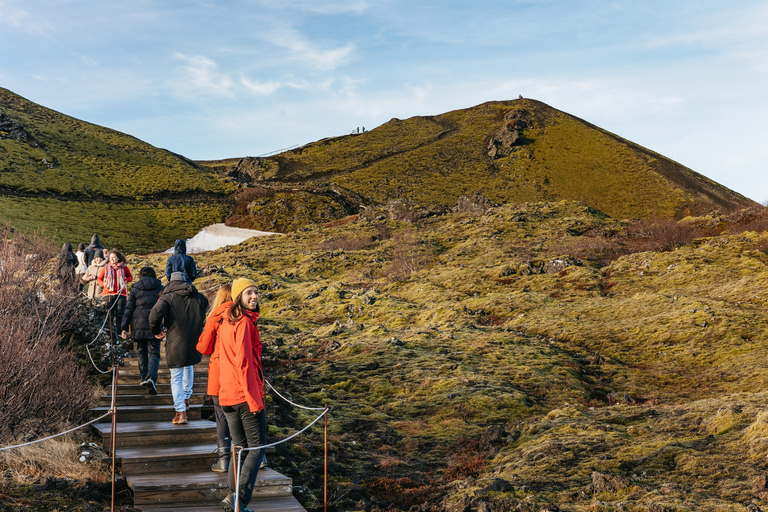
<point>143,296</point>
<point>181,310</point>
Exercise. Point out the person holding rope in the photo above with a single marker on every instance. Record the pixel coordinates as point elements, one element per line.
<point>207,344</point>
<point>114,279</point>
<point>241,392</point>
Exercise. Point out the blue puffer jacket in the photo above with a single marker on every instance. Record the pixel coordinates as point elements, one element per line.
<point>181,262</point>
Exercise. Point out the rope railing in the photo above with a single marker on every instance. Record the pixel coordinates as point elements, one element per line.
<point>108,413</point>
<point>240,449</point>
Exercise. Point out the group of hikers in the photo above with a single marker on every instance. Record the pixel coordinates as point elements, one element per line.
<point>178,313</point>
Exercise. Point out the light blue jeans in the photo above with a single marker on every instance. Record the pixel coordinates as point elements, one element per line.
<point>181,386</point>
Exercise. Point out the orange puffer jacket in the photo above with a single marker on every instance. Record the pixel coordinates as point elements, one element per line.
<point>241,377</point>
<point>206,344</point>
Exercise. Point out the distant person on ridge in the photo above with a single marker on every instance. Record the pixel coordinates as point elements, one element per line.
<point>181,262</point>
<point>92,249</point>
<point>143,296</point>
<point>180,310</point>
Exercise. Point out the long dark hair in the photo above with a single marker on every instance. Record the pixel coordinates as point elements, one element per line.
<point>120,256</point>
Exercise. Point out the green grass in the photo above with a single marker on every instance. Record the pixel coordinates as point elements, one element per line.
<point>129,227</point>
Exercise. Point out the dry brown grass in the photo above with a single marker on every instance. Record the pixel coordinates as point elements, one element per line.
<point>53,458</point>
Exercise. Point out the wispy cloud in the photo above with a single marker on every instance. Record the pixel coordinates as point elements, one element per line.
<point>200,75</point>
<point>321,6</point>
<point>267,88</point>
<point>317,55</point>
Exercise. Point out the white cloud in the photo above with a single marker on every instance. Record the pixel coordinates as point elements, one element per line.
<point>200,75</point>
<point>321,6</point>
<point>316,55</point>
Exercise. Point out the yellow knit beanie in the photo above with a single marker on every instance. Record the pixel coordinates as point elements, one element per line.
<point>240,284</point>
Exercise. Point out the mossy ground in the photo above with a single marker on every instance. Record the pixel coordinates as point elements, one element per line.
<point>450,365</point>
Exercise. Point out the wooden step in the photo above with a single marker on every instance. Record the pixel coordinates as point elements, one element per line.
<point>158,433</point>
<point>135,378</point>
<point>147,399</point>
<point>204,486</point>
<point>124,388</point>
<point>144,413</point>
<point>145,460</point>
<point>281,504</point>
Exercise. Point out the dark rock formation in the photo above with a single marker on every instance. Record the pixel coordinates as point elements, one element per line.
<point>510,137</point>
<point>10,129</point>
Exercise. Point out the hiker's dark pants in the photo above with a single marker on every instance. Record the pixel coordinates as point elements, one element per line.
<point>116,314</point>
<point>222,428</point>
<point>247,429</point>
<point>149,358</point>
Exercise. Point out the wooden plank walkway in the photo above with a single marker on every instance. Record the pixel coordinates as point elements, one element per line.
<point>168,467</point>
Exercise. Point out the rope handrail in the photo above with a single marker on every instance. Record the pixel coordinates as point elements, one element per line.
<point>325,411</point>
<point>108,413</point>
<point>293,404</point>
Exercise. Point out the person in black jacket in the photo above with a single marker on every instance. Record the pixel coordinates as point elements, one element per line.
<point>94,247</point>
<point>143,296</point>
<point>181,262</point>
<point>66,263</point>
<point>180,309</point>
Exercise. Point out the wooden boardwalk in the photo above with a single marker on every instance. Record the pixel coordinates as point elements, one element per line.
<point>168,467</point>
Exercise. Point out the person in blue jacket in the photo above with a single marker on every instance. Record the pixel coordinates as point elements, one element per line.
<point>181,262</point>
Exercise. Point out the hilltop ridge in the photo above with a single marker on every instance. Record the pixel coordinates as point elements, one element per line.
<point>516,151</point>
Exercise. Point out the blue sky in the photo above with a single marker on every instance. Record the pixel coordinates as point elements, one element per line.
<point>216,79</point>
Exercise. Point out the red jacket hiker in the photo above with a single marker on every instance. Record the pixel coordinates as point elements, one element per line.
<point>113,286</point>
<point>207,345</point>
<point>241,377</point>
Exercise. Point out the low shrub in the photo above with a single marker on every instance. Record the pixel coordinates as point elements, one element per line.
<point>43,387</point>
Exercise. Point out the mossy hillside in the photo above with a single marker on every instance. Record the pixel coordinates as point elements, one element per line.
<point>86,160</point>
<point>424,366</point>
<point>435,160</point>
<point>130,227</point>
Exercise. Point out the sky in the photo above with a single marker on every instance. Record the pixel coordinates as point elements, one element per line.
<point>224,79</point>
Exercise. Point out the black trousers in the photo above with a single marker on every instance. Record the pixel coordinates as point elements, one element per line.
<point>222,428</point>
<point>116,314</point>
<point>247,430</point>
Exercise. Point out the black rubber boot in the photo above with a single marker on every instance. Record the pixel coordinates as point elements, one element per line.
<point>225,454</point>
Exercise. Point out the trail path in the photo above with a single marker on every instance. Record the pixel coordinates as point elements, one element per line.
<point>168,467</point>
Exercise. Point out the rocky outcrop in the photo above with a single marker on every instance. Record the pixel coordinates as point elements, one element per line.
<point>511,136</point>
<point>10,129</point>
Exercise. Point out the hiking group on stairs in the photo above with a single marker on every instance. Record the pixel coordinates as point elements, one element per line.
<point>228,332</point>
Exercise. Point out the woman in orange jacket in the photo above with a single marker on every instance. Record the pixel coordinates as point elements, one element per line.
<point>241,392</point>
<point>207,345</point>
<point>114,278</point>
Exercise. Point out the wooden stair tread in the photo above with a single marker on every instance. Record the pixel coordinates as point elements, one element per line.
<point>142,453</point>
<point>202,479</point>
<point>278,504</point>
<point>150,427</point>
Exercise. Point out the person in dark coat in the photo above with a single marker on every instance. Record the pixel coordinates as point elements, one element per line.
<point>66,263</point>
<point>92,248</point>
<point>181,262</point>
<point>143,296</point>
<point>180,310</point>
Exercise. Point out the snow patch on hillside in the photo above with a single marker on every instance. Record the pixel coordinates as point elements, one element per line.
<point>219,235</point>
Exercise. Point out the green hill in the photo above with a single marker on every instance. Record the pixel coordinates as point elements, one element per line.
<point>75,178</point>
<point>511,152</point>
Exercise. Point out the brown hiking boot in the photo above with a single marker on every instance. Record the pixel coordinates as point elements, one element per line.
<point>182,418</point>
<point>175,420</point>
